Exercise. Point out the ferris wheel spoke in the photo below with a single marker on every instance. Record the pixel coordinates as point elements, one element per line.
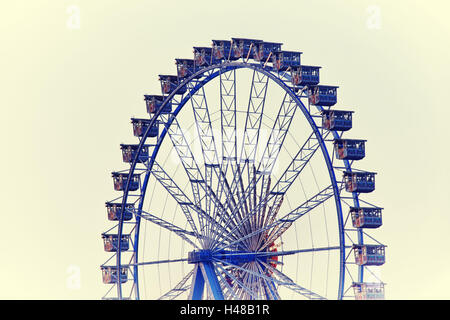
<point>253,119</point>
<point>245,221</point>
<point>274,144</point>
<point>196,179</point>
<point>223,187</point>
<point>277,135</point>
<point>179,288</point>
<point>229,145</point>
<point>251,280</point>
<point>228,114</point>
<point>201,190</point>
<point>285,281</point>
<point>281,280</point>
<point>170,227</point>
<point>227,94</point>
<point>280,226</point>
<point>237,213</point>
<point>260,282</point>
<point>207,142</point>
<point>245,274</point>
<point>242,287</point>
<point>147,263</point>
<point>220,214</point>
<point>296,166</point>
<point>268,254</point>
<point>177,194</point>
<point>223,216</point>
<point>239,220</point>
<point>186,205</point>
<point>268,287</point>
<point>275,229</point>
<point>226,283</point>
<point>242,223</point>
<point>255,108</point>
<point>204,128</point>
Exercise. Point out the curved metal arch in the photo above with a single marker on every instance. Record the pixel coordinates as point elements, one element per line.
<point>355,197</point>
<point>228,66</point>
<point>348,168</point>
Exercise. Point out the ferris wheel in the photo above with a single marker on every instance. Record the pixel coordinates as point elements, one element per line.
<point>242,185</point>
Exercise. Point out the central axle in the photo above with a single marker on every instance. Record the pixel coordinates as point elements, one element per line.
<point>233,257</point>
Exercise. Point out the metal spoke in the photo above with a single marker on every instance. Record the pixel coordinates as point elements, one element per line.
<point>207,142</point>
<point>186,205</point>
<point>147,263</point>
<point>229,293</point>
<point>244,288</point>
<point>229,139</point>
<point>272,292</point>
<point>169,226</point>
<point>273,147</point>
<point>277,135</point>
<point>265,254</point>
<point>179,288</point>
<point>177,194</point>
<point>290,284</point>
<point>189,163</point>
<point>253,119</point>
<point>284,223</point>
<point>284,280</point>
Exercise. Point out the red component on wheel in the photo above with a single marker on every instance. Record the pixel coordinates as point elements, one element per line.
<point>273,260</point>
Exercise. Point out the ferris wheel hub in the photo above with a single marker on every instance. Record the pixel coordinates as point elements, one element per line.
<point>198,256</point>
<point>232,257</point>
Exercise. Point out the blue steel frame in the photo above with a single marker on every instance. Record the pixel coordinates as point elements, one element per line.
<point>213,73</point>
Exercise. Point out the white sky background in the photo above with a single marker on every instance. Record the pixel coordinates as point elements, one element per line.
<point>68,92</point>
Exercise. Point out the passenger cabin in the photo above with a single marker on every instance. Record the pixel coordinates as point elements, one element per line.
<point>223,50</point>
<point>109,274</point>
<point>129,152</point>
<point>261,51</point>
<point>140,126</point>
<point>111,242</point>
<point>368,290</point>
<point>203,56</point>
<point>337,120</point>
<point>323,95</point>
<point>120,181</point>
<point>186,68</point>
<point>154,103</point>
<point>359,181</point>
<point>169,83</point>
<point>114,209</point>
<point>282,60</point>
<point>242,48</point>
<point>349,149</point>
<point>369,255</point>
<point>367,217</point>
<point>305,75</point>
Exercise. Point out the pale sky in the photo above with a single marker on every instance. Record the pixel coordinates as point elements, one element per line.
<point>69,90</point>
